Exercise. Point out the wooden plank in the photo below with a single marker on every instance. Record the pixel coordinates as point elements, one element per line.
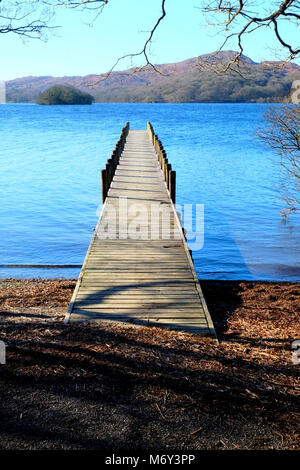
<point>131,298</point>
<point>129,289</point>
<point>140,302</point>
<point>156,283</point>
<point>133,268</point>
<point>145,281</point>
<point>144,313</point>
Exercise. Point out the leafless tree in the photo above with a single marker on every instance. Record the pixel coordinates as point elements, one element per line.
<point>32,18</point>
<point>21,18</point>
<point>282,133</point>
<point>237,19</point>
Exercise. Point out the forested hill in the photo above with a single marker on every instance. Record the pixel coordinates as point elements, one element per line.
<point>193,80</point>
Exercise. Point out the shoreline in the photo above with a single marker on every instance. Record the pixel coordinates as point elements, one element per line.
<point>115,386</point>
<point>202,279</point>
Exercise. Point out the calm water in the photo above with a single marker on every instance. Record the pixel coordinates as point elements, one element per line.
<point>50,185</point>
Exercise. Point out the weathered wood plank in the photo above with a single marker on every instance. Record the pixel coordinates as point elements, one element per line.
<point>157,303</point>
<point>150,298</point>
<point>154,315</point>
<point>146,280</point>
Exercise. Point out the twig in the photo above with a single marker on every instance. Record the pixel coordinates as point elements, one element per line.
<point>196,431</point>
<point>160,412</point>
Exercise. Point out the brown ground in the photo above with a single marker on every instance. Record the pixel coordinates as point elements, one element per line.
<point>115,386</point>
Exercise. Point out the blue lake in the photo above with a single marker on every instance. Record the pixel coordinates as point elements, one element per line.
<point>51,157</point>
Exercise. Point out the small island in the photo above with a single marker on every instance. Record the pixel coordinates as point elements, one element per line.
<point>64,94</point>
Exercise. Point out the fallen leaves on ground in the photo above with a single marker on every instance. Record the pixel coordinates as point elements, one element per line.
<point>118,386</point>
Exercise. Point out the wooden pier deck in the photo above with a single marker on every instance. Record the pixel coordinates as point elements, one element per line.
<point>138,267</point>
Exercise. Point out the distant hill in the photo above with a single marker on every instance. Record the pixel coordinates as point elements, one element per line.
<point>64,95</point>
<point>193,80</point>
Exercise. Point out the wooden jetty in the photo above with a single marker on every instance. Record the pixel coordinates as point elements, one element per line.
<point>138,267</point>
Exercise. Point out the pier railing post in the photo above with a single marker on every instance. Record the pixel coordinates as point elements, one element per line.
<point>169,175</point>
<point>172,178</point>
<point>165,170</point>
<point>169,168</point>
<point>118,150</point>
<point>108,173</point>
<point>104,185</point>
<point>161,159</point>
<point>111,169</point>
<point>150,131</point>
<point>160,148</point>
<point>156,144</point>
<point>114,161</point>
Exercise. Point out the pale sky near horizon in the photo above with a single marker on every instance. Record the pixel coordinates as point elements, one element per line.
<point>79,49</point>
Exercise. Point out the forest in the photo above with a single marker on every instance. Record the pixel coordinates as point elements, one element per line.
<point>186,81</point>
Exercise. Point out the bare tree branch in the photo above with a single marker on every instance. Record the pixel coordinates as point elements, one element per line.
<point>282,134</point>
<point>239,21</point>
<point>145,50</point>
<point>31,18</point>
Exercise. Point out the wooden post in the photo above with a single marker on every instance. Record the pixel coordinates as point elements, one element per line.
<point>107,176</point>
<point>114,161</point>
<point>165,170</point>
<point>162,157</point>
<point>118,150</point>
<point>111,170</point>
<point>163,167</point>
<point>169,168</point>
<point>104,185</point>
<point>151,132</point>
<point>160,147</point>
<point>156,143</point>
<point>168,173</point>
<point>149,127</point>
<point>108,173</point>
<point>172,189</point>
<point>152,135</point>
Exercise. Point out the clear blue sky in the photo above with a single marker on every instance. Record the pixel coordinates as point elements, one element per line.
<point>78,49</point>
